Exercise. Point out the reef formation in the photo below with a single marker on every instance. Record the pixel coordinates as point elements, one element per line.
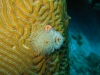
<point>21,19</point>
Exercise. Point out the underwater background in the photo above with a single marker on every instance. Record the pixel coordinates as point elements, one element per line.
<point>84,36</point>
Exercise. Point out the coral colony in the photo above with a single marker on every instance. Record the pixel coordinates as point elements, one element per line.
<point>47,40</point>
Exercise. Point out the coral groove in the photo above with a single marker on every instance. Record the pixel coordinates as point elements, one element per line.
<point>19,19</point>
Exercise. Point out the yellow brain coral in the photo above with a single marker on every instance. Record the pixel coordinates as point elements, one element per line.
<point>20,19</point>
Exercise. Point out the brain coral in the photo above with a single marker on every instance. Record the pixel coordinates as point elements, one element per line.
<point>20,19</point>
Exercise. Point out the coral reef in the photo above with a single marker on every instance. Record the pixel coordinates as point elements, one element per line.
<point>83,61</point>
<point>94,63</point>
<point>21,19</point>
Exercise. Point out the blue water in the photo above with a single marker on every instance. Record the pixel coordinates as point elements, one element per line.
<point>86,20</point>
<point>84,23</point>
